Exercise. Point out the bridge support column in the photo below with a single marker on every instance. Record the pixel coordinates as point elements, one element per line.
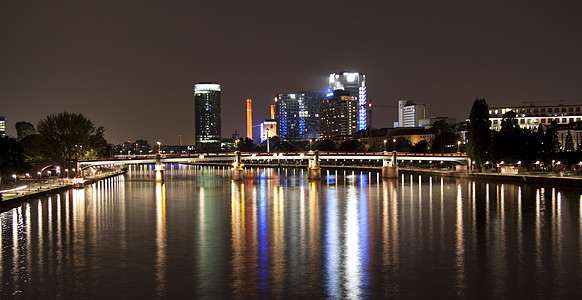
<point>159,169</point>
<point>237,170</point>
<point>313,170</point>
<point>390,167</point>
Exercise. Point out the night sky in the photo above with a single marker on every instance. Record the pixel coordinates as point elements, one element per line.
<point>130,66</point>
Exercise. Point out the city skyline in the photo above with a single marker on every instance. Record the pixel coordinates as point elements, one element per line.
<point>131,68</point>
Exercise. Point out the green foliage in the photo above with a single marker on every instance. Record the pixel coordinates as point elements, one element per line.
<point>420,147</point>
<point>326,145</point>
<point>445,139</point>
<point>551,144</point>
<point>478,132</point>
<point>245,145</point>
<point>70,136</point>
<point>34,147</point>
<point>403,144</point>
<point>352,146</point>
<point>11,157</point>
<point>24,129</point>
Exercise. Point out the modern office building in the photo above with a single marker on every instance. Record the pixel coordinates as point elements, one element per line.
<point>410,114</point>
<point>530,117</point>
<point>339,115</point>
<point>297,115</point>
<point>207,114</point>
<point>355,84</point>
<point>2,126</point>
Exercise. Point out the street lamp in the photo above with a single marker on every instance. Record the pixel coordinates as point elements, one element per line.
<point>458,146</point>
<point>14,178</point>
<point>159,147</point>
<point>385,144</point>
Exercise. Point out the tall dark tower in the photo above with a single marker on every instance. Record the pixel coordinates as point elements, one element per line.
<point>207,115</point>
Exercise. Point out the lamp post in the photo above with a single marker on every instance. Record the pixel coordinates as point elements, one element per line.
<point>159,148</point>
<point>459,147</point>
<point>385,144</point>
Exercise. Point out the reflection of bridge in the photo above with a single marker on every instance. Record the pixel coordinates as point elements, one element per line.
<point>313,159</point>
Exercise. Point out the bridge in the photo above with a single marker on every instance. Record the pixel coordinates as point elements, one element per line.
<point>314,160</point>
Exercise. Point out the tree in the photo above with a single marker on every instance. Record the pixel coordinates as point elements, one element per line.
<point>245,145</point>
<point>506,144</point>
<point>352,145</point>
<point>34,147</point>
<point>479,132</point>
<point>569,143</point>
<point>24,129</point>
<point>326,145</point>
<point>420,147</point>
<point>445,139</point>
<point>551,144</point>
<point>70,136</point>
<point>403,144</point>
<point>11,158</point>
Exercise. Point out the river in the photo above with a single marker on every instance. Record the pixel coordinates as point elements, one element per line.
<point>351,235</point>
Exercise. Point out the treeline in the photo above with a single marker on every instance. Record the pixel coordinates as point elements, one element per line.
<point>62,138</point>
<point>515,145</point>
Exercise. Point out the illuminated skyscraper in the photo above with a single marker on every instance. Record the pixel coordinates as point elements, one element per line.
<point>355,83</point>
<point>2,126</point>
<point>339,115</point>
<point>207,114</point>
<point>297,115</point>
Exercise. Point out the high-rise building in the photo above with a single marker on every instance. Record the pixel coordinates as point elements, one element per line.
<point>2,126</point>
<point>297,115</point>
<point>339,115</point>
<point>355,83</point>
<point>410,113</point>
<point>207,114</point>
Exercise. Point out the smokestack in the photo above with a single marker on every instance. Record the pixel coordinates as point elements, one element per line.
<point>180,139</point>
<point>249,118</point>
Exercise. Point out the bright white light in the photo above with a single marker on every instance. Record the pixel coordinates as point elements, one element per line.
<point>206,87</point>
<point>351,77</point>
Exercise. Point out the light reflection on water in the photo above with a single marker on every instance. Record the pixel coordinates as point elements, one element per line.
<point>275,234</point>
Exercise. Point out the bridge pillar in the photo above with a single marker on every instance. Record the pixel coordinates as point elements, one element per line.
<point>390,167</point>
<point>313,170</point>
<point>237,170</point>
<point>159,169</point>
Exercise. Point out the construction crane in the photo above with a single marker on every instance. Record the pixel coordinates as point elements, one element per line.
<point>371,107</point>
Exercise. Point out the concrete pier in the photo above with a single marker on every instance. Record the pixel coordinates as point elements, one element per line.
<point>390,167</point>
<point>313,170</point>
<point>237,170</point>
<point>159,169</point>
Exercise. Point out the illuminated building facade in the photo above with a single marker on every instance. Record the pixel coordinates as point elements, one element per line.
<point>355,84</point>
<point>2,126</point>
<point>297,115</point>
<point>529,117</point>
<point>339,115</point>
<point>207,114</point>
<point>410,114</point>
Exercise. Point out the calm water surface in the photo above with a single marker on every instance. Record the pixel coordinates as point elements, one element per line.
<point>277,235</point>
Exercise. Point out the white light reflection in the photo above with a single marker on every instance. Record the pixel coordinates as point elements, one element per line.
<point>15,252</point>
<point>460,246</point>
<point>161,239</point>
<point>332,247</point>
<point>352,255</point>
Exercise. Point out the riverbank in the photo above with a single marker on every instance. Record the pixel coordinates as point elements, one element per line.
<point>51,186</point>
